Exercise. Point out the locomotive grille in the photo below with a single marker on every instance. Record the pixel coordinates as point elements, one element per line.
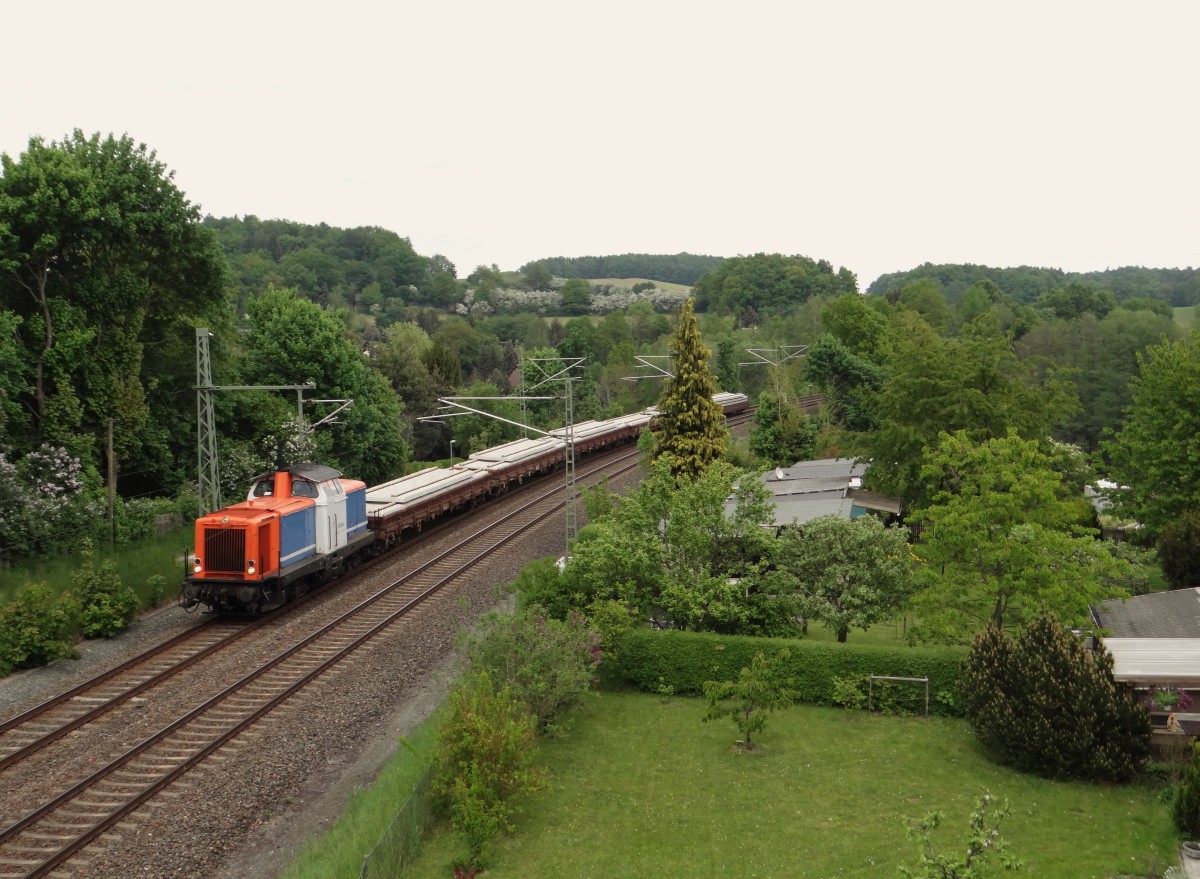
<point>224,550</point>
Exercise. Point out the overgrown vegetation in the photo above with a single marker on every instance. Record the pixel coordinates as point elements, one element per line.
<point>522,672</point>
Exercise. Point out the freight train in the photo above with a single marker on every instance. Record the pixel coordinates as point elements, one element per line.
<point>302,526</point>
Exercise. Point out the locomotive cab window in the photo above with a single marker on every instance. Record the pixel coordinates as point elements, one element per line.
<point>264,488</point>
<point>303,488</point>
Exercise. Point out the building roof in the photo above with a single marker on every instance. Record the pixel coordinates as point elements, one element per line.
<point>831,486</point>
<point>1171,614</point>
<point>1150,661</point>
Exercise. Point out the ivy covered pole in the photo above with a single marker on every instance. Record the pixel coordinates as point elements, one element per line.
<point>692,432</point>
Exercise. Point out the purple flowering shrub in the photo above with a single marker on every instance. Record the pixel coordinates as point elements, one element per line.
<point>44,505</point>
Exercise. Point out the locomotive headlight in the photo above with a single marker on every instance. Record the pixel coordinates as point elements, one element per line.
<point>250,568</point>
<point>197,566</point>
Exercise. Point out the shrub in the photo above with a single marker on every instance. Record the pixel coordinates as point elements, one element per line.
<point>1185,808</point>
<point>106,605</point>
<point>610,619</point>
<point>1179,550</point>
<point>547,664</point>
<point>1044,704</point>
<point>37,628</point>
<point>484,760</point>
<point>685,660</point>
<point>541,583</point>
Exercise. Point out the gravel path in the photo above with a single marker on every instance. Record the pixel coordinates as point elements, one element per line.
<point>258,801</point>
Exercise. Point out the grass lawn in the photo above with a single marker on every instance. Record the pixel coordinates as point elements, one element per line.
<point>1186,316</point>
<point>640,787</point>
<point>135,564</point>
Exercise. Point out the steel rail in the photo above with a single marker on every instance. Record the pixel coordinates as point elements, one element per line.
<point>184,764</point>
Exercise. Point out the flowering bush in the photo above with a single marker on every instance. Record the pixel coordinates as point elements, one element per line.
<point>1168,698</point>
<point>44,507</point>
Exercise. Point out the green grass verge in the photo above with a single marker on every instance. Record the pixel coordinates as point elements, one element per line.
<point>640,787</point>
<point>340,851</point>
<point>1186,316</point>
<point>135,563</point>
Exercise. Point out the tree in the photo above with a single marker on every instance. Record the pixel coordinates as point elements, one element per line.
<point>981,843</point>
<point>847,381</point>
<point>105,261</point>
<point>726,366</point>
<point>670,546</point>
<point>769,283</point>
<point>974,384</point>
<point>864,331</point>
<point>576,296</point>
<point>1045,704</point>
<point>293,341</point>
<point>999,543</point>
<point>1155,456</point>
<point>763,687</point>
<point>692,431</point>
<point>847,574</point>
<point>537,276</point>
<point>1185,807</point>
<point>783,432</point>
<point>1179,549</point>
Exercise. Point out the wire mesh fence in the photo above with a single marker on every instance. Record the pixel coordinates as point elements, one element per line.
<point>398,845</point>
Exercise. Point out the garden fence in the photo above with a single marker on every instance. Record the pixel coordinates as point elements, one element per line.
<point>397,847</point>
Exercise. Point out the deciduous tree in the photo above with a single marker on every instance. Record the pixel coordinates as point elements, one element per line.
<point>760,689</point>
<point>999,543</point>
<point>974,384</point>
<point>845,573</point>
<point>105,260</point>
<point>1156,454</point>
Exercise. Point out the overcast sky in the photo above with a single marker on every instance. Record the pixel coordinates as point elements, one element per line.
<point>876,135</point>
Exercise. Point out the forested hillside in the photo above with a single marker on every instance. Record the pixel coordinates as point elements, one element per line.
<point>361,268</point>
<point>679,268</point>
<point>1026,284</point>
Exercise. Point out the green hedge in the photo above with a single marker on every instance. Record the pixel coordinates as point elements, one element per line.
<point>681,662</point>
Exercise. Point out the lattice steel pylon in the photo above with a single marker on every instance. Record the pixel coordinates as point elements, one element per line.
<point>209,482</point>
<point>564,375</point>
<point>206,421</point>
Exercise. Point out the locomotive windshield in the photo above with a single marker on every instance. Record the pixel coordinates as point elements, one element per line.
<point>264,487</point>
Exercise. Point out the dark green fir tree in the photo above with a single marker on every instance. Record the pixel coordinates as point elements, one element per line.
<point>691,432</point>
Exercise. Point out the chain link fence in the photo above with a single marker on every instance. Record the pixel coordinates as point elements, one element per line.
<point>398,845</point>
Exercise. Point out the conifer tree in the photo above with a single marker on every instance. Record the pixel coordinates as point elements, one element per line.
<point>1047,705</point>
<point>691,426</point>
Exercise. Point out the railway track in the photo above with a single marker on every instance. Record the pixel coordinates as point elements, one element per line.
<point>51,834</point>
